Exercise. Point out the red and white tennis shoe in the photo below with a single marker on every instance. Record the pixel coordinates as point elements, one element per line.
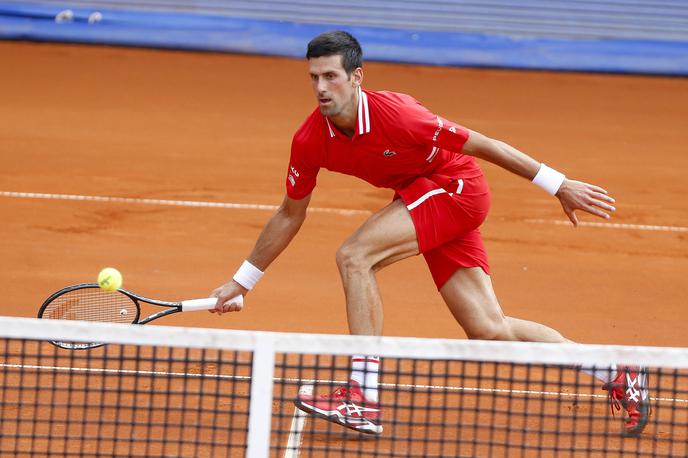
<point>629,389</point>
<point>345,406</point>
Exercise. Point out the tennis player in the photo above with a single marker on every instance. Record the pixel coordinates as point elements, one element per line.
<point>441,198</point>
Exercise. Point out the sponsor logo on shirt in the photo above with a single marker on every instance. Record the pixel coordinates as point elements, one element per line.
<point>389,153</point>
<point>294,171</point>
<point>440,124</point>
<point>452,129</point>
<point>292,180</point>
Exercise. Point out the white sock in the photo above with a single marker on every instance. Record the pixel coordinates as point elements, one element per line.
<point>606,374</point>
<point>365,370</point>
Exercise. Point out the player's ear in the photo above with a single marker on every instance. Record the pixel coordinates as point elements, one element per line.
<point>357,77</point>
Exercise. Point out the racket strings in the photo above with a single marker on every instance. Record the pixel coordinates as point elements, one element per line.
<point>92,304</point>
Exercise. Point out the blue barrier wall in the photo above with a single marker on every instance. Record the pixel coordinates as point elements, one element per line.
<point>631,36</point>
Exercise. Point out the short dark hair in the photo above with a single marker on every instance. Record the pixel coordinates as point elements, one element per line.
<point>337,42</point>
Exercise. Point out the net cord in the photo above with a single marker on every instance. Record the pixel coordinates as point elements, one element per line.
<point>331,344</point>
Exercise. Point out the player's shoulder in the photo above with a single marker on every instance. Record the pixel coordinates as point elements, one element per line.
<point>396,107</point>
<point>309,139</point>
<point>392,99</point>
<point>396,110</point>
<point>311,129</point>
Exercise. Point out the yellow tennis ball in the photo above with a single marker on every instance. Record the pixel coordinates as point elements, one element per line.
<point>110,279</point>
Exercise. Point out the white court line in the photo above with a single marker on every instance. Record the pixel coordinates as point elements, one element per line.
<point>296,428</point>
<point>636,227</point>
<point>393,386</point>
<point>337,211</point>
<point>174,203</point>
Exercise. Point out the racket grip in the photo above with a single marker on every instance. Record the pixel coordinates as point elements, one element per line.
<point>207,304</point>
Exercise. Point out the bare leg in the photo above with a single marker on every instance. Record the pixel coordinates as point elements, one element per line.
<point>388,236</point>
<point>471,299</point>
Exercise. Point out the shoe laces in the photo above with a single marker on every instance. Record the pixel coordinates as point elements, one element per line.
<point>616,395</point>
<point>342,391</point>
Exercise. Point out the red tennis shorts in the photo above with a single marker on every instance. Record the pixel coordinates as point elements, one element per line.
<point>447,213</point>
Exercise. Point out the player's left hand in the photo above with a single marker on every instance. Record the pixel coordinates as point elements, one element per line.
<point>576,195</point>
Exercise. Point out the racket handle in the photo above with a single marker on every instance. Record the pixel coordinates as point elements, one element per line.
<point>207,304</point>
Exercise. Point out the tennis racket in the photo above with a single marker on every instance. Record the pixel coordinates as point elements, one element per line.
<point>88,302</point>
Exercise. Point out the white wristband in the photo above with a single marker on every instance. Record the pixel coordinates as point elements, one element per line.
<point>549,179</point>
<point>248,275</point>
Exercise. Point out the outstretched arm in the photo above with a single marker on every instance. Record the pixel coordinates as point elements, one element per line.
<point>573,195</point>
<point>275,237</point>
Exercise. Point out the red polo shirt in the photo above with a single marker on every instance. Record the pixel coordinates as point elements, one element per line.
<point>396,141</point>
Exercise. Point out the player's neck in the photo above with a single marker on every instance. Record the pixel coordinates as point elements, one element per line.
<point>345,121</point>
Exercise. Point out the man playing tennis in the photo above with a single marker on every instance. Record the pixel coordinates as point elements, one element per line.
<point>442,198</point>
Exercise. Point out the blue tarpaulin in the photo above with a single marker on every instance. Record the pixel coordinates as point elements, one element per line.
<point>219,32</point>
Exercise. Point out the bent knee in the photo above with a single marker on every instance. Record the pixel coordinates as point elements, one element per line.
<point>351,256</point>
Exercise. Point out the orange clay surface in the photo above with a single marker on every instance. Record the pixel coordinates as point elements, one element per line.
<point>99,121</point>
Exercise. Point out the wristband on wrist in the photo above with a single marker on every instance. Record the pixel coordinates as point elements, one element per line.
<point>247,275</point>
<point>549,179</point>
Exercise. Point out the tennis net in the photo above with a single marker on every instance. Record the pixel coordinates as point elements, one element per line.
<point>158,391</point>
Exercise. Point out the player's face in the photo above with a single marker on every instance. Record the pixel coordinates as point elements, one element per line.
<point>333,88</point>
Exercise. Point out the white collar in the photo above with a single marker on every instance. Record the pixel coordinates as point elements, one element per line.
<point>363,113</point>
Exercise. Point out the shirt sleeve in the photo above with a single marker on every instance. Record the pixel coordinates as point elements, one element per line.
<point>302,172</point>
<point>435,131</point>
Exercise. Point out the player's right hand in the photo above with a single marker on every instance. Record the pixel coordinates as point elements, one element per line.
<point>224,295</point>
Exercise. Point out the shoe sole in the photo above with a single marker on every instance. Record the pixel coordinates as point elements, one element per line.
<point>367,428</point>
<point>638,429</point>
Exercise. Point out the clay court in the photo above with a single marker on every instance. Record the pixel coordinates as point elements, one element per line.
<point>150,125</point>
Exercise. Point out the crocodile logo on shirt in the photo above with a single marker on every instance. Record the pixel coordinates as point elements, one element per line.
<point>389,153</point>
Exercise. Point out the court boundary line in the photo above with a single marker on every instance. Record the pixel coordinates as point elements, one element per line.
<point>173,203</point>
<point>328,210</point>
<point>298,420</point>
<point>398,386</point>
<point>636,227</point>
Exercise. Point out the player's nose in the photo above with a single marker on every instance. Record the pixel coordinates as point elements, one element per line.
<point>321,86</point>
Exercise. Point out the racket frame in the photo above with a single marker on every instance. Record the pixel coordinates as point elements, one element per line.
<point>172,307</point>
